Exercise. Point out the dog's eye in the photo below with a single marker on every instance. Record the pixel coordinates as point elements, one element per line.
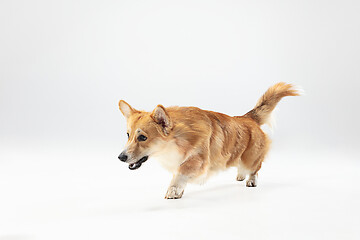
<point>128,135</point>
<point>141,138</point>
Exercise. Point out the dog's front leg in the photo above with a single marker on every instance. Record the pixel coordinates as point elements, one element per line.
<point>177,186</point>
<point>189,169</point>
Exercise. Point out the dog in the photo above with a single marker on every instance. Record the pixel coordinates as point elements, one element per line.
<point>193,144</point>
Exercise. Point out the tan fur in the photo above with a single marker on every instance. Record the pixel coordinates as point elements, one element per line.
<point>266,104</point>
<point>202,142</point>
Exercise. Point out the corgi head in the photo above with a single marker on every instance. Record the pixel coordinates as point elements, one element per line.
<point>146,132</point>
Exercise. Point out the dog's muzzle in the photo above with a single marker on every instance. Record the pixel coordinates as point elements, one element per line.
<point>136,165</point>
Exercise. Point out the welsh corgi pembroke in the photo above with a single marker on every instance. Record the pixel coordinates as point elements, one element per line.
<point>193,144</point>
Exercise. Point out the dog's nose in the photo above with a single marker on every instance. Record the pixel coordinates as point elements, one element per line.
<point>123,157</point>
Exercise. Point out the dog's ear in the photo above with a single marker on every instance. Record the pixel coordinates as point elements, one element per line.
<point>162,118</point>
<point>126,109</point>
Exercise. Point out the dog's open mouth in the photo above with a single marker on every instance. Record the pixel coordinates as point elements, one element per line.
<point>136,165</point>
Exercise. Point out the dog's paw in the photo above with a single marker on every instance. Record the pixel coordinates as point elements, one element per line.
<point>240,178</point>
<point>251,183</point>
<point>174,193</point>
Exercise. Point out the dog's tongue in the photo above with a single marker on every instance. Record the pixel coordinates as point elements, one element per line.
<point>134,166</point>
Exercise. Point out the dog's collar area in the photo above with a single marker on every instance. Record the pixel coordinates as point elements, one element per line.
<point>136,165</point>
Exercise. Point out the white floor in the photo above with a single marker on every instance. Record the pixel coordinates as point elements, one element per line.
<point>79,193</point>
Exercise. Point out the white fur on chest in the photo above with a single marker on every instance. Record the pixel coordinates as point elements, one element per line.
<point>169,157</point>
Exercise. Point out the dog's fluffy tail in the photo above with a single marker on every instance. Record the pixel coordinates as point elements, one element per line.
<point>261,113</point>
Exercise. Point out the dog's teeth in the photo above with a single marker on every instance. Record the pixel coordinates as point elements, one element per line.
<point>134,166</point>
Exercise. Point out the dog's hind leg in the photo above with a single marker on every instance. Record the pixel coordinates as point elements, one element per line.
<point>252,181</point>
<point>253,158</point>
<point>242,173</point>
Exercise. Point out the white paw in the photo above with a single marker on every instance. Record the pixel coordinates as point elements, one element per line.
<point>174,192</point>
<point>251,183</point>
<point>240,177</point>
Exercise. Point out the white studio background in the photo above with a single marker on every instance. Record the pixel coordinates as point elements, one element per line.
<point>64,65</point>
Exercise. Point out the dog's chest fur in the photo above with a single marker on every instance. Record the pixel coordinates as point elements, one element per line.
<point>169,157</point>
